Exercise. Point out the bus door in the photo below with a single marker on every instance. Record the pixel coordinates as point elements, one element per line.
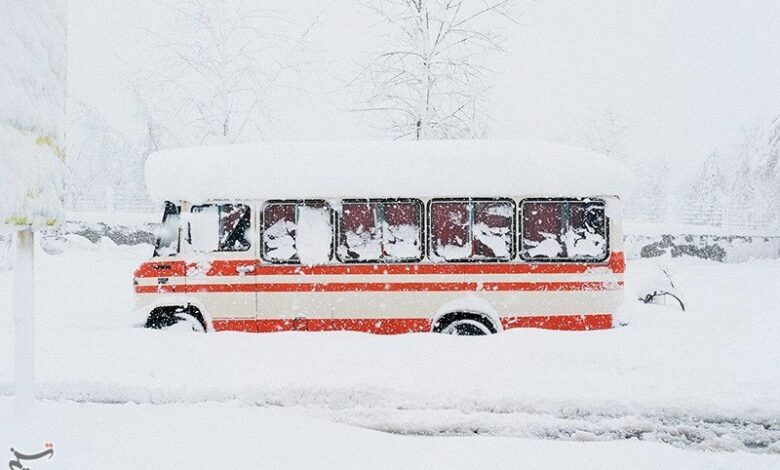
<point>221,265</point>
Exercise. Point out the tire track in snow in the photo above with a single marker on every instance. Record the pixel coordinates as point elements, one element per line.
<point>417,414</point>
<point>762,436</point>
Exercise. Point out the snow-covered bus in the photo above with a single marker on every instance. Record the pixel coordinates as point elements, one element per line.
<point>458,237</point>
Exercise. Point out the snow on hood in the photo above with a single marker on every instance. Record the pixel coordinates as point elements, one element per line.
<point>373,169</point>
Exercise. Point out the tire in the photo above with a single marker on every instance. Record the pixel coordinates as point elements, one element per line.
<point>186,322</point>
<point>464,324</point>
<point>175,319</point>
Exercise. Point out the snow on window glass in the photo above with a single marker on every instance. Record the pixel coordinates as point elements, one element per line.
<point>279,232</point>
<point>564,230</point>
<point>297,232</point>
<point>222,227</point>
<point>492,229</point>
<point>380,231</point>
<point>472,230</point>
<point>203,223</point>
<point>401,230</point>
<point>315,234</point>
<point>450,227</point>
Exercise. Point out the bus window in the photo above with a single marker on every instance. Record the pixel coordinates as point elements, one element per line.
<point>167,240</point>
<point>299,232</point>
<point>388,231</point>
<point>472,230</point>
<point>563,230</point>
<point>221,227</point>
<point>493,229</point>
<point>450,227</point>
<point>402,231</point>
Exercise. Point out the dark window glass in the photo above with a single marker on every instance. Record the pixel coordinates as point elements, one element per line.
<point>387,231</point>
<point>472,230</point>
<point>167,240</point>
<point>493,229</point>
<point>231,232</point>
<point>564,230</point>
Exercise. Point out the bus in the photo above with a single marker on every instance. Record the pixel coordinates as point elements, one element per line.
<point>455,237</point>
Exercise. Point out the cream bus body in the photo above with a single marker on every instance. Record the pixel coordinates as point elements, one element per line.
<point>473,262</point>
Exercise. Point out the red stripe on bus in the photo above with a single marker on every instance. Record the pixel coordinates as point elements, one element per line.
<point>408,325</point>
<point>161,269</point>
<point>599,321</point>
<point>236,325</point>
<point>386,287</point>
<point>230,268</point>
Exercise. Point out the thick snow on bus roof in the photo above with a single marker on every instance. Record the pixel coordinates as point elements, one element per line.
<point>374,169</point>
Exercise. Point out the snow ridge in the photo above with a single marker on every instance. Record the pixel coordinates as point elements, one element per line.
<point>407,413</point>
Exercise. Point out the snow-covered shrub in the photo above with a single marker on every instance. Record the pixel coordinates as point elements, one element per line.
<point>723,248</point>
<point>657,287</point>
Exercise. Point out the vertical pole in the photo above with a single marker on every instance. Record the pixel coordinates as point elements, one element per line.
<point>24,322</point>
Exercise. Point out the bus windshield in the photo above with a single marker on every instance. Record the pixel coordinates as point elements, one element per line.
<point>167,239</point>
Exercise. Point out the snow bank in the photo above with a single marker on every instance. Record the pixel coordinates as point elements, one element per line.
<point>707,377</point>
<point>225,435</point>
<point>290,170</point>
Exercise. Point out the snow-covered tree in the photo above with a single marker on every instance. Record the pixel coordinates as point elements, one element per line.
<point>429,82</point>
<point>707,195</point>
<point>649,201</point>
<point>754,184</point>
<point>32,141</point>
<point>766,173</point>
<point>103,161</point>
<point>32,111</point>
<point>213,77</point>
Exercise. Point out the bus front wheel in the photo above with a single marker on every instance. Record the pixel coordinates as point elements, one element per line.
<point>464,324</point>
<point>176,318</point>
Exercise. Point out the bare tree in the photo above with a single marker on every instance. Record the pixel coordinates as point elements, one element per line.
<point>607,133</point>
<point>429,82</point>
<point>215,73</point>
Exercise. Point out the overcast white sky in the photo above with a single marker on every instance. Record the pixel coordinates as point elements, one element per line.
<point>687,75</point>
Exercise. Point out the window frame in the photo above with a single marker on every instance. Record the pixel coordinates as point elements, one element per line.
<point>166,214</point>
<point>422,230</point>
<point>607,223</point>
<point>294,202</point>
<point>513,236</point>
<point>220,204</point>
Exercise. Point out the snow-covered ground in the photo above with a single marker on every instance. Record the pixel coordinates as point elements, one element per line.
<point>705,381</point>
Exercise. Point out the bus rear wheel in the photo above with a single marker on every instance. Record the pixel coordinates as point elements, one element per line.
<point>464,324</point>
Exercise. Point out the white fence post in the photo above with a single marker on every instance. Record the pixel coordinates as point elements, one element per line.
<point>24,324</point>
